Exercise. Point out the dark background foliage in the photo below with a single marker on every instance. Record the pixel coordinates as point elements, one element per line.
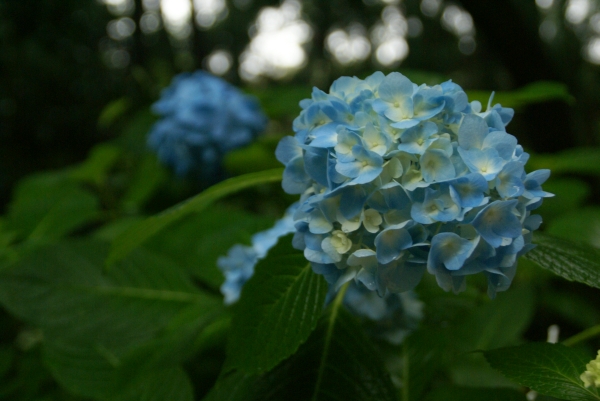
<point>55,78</point>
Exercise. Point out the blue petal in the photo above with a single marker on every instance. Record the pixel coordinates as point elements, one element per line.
<point>399,276</point>
<point>497,221</point>
<point>485,162</point>
<point>390,243</point>
<point>288,149</point>
<point>500,281</point>
<point>324,136</point>
<point>415,140</point>
<point>508,182</point>
<point>436,166</point>
<point>346,141</point>
<point>367,166</point>
<point>437,206</point>
<point>472,132</point>
<point>352,199</point>
<point>505,144</point>
<point>406,123</point>
<point>317,256</point>
<point>533,183</point>
<point>390,197</point>
<point>394,87</point>
<point>450,250</point>
<point>468,190</point>
<point>428,102</point>
<point>533,222</point>
<point>295,180</point>
<point>315,164</point>
<point>329,271</point>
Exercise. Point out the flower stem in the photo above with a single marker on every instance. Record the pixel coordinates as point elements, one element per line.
<point>584,335</point>
<point>405,372</point>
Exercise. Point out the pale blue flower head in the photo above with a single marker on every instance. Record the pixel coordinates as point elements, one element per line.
<point>396,179</point>
<point>203,117</point>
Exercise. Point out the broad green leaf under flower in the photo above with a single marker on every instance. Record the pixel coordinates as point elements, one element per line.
<point>279,308</point>
<point>140,232</point>
<point>549,369</point>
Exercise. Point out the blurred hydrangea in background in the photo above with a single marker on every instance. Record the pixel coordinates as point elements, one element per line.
<point>202,118</point>
<point>396,179</point>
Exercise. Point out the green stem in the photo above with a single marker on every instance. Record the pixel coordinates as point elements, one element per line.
<point>405,371</point>
<point>339,297</point>
<point>584,335</point>
<point>335,307</point>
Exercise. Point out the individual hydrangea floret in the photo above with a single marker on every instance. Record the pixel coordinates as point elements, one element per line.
<point>238,265</point>
<point>395,179</point>
<point>591,376</point>
<point>202,118</point>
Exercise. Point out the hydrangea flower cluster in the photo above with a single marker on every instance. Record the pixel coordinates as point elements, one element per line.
<point>396,179</point>
<point>203,118</point>
<point>238,265</point>
<point>591,376</point>
<point>396,314</point>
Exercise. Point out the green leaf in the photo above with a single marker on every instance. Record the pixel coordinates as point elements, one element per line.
<point>566,259</point>
<point>140,232</point>
<point>279,308</point>
<point>550,369</point>
<point>148,177</point>
<point>113,111</point>
<point>583,224</point>
<point>95,373</point>
<point>340,363</point>
<point>196,250</point>
<point>472,370</point>
<point>536,92</point>
<point>170,383</point>
<point>7,355</point>
<point>96,167</point>
<point>337,363</point>
<point>234,386</point>
<point>422,356</point>
<point>135,131</point>
<point>50,205</point>
<point>92,321</point>
<point>258,156</point>
<point>576,160</point>
<point>29,380</point>
<point>111,230</point>
<point>571,193</point>
<point>475,394</point>
<point>496,323</point>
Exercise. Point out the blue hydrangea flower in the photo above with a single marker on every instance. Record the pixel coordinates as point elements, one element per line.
<point>202,118</point>
<point>397,179</point>
<point>238,265</point>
